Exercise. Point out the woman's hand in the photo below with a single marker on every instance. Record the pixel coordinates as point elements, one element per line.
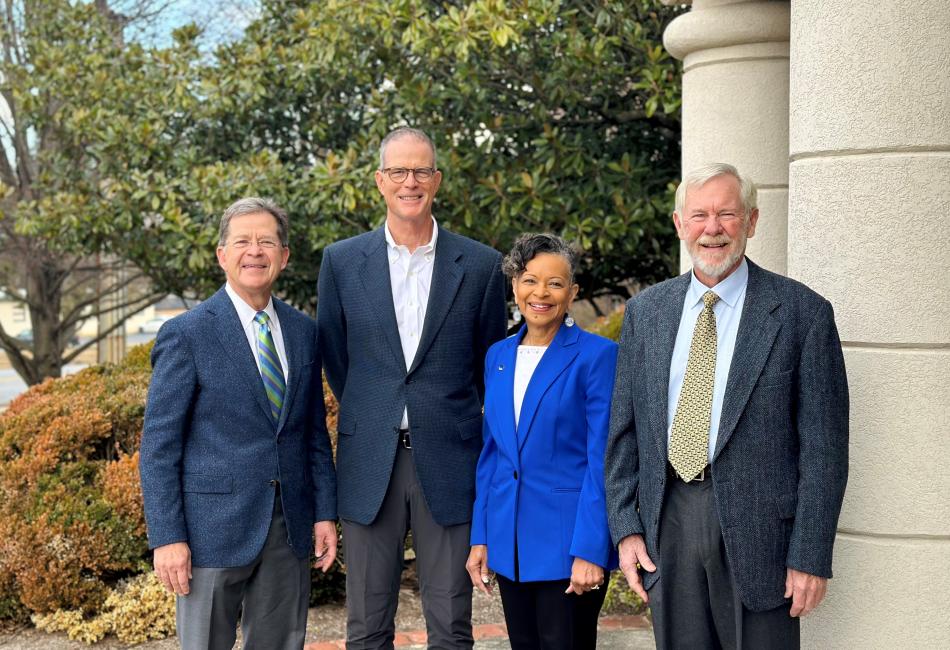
<point>477,566</point>
<point>584,577</point>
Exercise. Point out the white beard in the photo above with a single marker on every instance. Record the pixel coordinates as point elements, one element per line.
<point>718,270</point>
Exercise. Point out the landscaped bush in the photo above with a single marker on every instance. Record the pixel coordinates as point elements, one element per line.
<point>72,531</point>
<point>609,326</point>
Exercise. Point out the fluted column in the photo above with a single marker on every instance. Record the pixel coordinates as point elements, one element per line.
<point>869,201</point>
<point>735,104</point>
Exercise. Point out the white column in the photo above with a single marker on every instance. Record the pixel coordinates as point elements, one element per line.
<point>868,229</point>
<point>735,104</point>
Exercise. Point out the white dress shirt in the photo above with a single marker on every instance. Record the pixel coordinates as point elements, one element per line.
<point>728,311</point>
<point>529,356</point>
<point>246,315</point>
<point>410,275</point>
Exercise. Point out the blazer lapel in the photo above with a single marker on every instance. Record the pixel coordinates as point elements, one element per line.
<point>756,335</point>
<point>446,277</point>
<point>294,348</point>
<point>502,395</point>
<point>234,341</point>
<point>379,291</point>
<point>659,349</point>
<point>559,355</point>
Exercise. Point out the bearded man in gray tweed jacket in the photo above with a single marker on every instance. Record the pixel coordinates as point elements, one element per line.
<point>727,457</point>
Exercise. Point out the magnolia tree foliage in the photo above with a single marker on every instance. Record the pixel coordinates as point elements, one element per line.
<point>554,116</point>
<point>88,122</point>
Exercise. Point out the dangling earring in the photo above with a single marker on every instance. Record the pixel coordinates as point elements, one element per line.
<point>569,321</point>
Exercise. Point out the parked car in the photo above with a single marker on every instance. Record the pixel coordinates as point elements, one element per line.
<point>27,337</point>
<point>152,324</point>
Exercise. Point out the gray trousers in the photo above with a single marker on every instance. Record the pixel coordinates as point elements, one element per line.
<point>694,604</point>
<point>374,562</point>
<point>274,591</point>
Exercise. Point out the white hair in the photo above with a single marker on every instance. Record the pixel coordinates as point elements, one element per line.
<point>702,175</point>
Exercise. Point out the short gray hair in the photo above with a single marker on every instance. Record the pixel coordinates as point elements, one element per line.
<point>530,245</point>
<point>399,134</point>
<point>254,205</point>
<point>702,175</point>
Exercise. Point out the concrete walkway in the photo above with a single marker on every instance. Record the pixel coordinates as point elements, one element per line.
<point>614,633</point>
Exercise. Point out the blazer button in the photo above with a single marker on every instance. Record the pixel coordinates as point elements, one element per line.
<point>515,474</point>
<point>273,482</point>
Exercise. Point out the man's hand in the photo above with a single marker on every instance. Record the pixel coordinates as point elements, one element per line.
<point>584,577</point>
<point>324,534</point>
<point>477,566</point>
<point>805,590</point>
<point>632,551</point>
<point>173,567</point>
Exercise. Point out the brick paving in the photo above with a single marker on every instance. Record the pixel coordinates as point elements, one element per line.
<point>494,632</point>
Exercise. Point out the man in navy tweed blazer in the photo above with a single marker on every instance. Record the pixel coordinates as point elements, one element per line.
<point>405,316</point>
<point>237,482</point>
<point>733,555</point>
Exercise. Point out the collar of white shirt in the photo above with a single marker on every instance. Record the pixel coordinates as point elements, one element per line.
<point>426,249</point>
<point>729,290</point>
<point>245,312</point>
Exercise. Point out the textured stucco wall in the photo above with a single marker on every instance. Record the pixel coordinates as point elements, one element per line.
<point>735,104</point>
<point>869,190</point>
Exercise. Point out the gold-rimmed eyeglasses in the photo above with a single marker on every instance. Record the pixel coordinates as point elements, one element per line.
<point>399,174</point>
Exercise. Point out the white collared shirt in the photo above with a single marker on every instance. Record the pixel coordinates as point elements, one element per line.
<point>246,315</point>
<point>728,311</point>
<point>410,276</point>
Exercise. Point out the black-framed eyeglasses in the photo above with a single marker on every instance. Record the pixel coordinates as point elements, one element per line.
<point>399,174</point>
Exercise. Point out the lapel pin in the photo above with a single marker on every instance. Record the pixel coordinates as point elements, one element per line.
<point>501,367</point>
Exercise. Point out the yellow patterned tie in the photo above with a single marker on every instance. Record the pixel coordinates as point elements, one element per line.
<point>689,440</point>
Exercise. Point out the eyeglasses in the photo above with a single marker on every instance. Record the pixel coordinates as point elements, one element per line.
<point>263,243</point>
<point>399,174</point>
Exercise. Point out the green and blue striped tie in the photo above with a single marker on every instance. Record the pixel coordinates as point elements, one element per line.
<point>271,372</point>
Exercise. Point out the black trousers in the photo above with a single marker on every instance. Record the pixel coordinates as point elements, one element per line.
<point>540,616</point>
<point>694,604</point>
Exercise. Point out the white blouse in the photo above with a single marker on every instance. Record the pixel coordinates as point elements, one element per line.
<point>529,356</point>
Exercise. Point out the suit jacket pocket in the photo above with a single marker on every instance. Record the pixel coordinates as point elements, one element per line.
<point>470,427</point>
<point>345,424</point>
<point>775,379</point>
<point>786,505</point>
<point>206,483</point>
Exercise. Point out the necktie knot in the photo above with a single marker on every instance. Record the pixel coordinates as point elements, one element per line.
<point>709,299</point>
<point>261,318</point>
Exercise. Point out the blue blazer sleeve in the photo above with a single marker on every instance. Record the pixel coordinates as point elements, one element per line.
<point>487,461</point>
<point>172,389</point>
<point>591,539</point>
<point>331,327</point>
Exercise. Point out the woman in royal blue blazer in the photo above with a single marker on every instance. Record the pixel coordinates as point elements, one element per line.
<point>540,519</point>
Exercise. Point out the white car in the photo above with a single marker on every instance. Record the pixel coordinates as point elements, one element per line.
<point>152,324</point>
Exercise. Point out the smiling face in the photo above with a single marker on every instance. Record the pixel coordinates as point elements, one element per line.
<point>253,257</point>
<point>715,228</point>
<point>409,200</point>
<point>544,294</point>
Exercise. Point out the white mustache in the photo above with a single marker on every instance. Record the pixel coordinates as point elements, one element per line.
<point>713,241</point>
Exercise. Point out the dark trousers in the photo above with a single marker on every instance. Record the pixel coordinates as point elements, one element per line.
<point>374,562</point>
<point>273,592</point>
<point>694,604</point>
<point>540,616</point>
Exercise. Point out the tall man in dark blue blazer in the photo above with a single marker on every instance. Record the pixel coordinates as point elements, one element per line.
<point>727,456</point>
<point>237,470</point>
<point>405,316</point>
